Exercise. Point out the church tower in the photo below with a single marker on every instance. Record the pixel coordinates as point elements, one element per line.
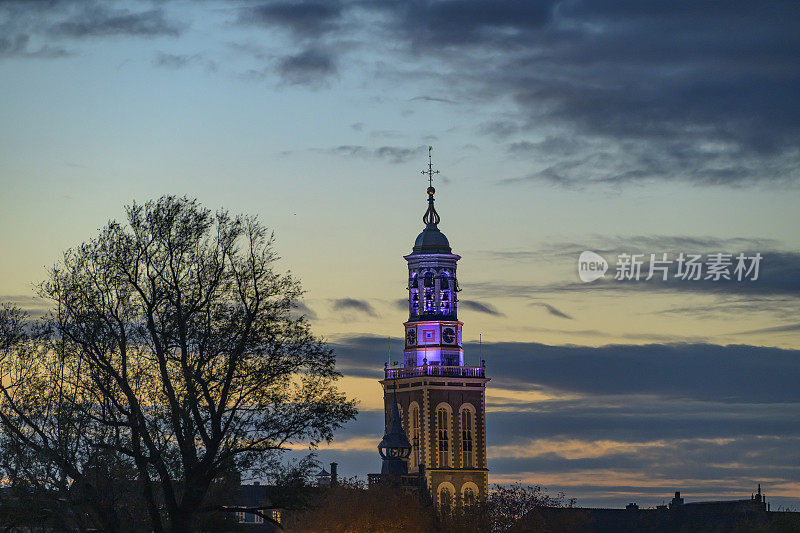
<point>439,399</point>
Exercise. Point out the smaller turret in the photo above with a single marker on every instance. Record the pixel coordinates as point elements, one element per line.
<point>395,447</point>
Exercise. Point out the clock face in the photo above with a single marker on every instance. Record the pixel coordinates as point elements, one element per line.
<point>411,337</point>
<point>449,335</point>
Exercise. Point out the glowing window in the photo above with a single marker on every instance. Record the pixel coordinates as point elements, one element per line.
<point>442,438</point>
<point>466,439</point>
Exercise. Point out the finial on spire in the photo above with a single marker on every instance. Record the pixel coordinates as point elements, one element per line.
<point>430,172</point>
<point>431,217</point>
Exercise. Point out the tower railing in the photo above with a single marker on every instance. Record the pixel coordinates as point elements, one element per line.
<point>435,370</point>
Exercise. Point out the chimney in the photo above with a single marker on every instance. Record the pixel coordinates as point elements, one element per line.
<point>334,474</point>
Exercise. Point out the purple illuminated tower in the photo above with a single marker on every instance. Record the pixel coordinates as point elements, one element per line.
<point>440,399</point>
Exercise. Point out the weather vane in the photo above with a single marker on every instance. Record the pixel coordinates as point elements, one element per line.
<point>431,217</point>
<point>430,172</point>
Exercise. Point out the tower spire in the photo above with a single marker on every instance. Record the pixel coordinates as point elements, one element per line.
<point>431,217</point>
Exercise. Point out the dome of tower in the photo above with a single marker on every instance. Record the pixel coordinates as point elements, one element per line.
<point>431,241</point>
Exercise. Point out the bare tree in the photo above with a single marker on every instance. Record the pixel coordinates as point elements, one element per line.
<point>172,351</point>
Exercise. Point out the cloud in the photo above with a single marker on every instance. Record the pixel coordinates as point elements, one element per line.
<point>352,304</point>
<point>586,94</point>
<point>786,328</point>
<point>553,311</point>
<point>98,20</point>
<point>697,372</point>
<point>301,308</point>
<point>392,154</point>
<point>309,67</point>
<point>179,61</point>
<point>549,147</point>
<point>620,423</point>
<point>500,129</point>
<point>425,98</point>
<point>619,93</point>
<point>18,46</point>
<point>363,355</point>
<point>464,24</point>
<point>303,19</point>
<point>734,373</point>
<point>480,307</point>
<point>777,285</point>
<point>33,305</point>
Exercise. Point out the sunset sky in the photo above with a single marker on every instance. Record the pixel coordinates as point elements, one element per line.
<point>618,127</point>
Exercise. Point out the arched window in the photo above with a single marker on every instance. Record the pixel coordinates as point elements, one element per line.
<point>445,499</point>
<point>469,496</point>
<point>430,292</point>
<point>467,436</point>
<point>443,441</point>
<point>413,298</point>
<point>444,293</point>
<point>413,414</point>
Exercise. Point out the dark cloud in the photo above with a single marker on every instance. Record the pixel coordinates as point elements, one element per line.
<point>467,24</point>
<point>779,275</point>
<point>173,61</point>
<point>610,93</point>
<point>552,310</point>
<point>392,154</point>
<point>179,61</point>
<point>786,328</point>
<point>363,356</point>
<point>301,309</point>
<point>304,19</point>
<point>480,307</point>
<point>18,46</point>
<point>734,373</point>
<point>38,29</point>
<point>99,20</point>
<point>548,147</point>
<point>352,304</point>
<point>777,286</point>
<point>500,128</point>
<point>396,154</point>
<point>610,245</point>
<point>606,93</point>
<point>34,306</point>
<point>433,99</point>
<point>638,418</point>
<point>782,307</point>
<point>680,371</point>
<point>720,418</point>
<point>309,67</point>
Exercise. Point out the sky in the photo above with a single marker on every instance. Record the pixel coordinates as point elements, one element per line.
<point>618,127</point>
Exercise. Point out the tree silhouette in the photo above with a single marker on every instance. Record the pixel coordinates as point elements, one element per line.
<point>172,355</point>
